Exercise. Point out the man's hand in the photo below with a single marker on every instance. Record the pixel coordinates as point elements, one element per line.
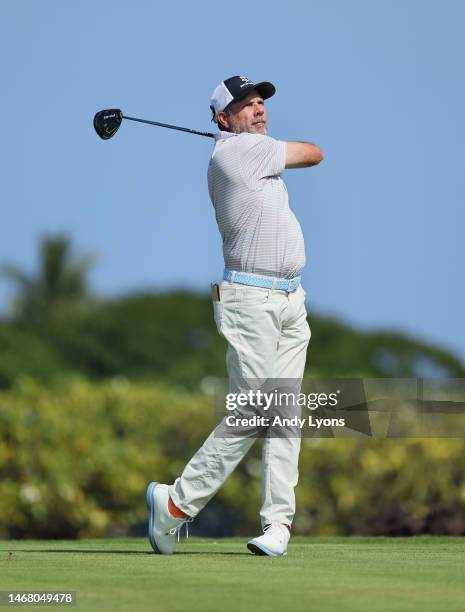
<point>302,155</point>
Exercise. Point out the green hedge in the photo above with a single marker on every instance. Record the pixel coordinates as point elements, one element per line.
<point>172,338</point>
<point>75,462</point>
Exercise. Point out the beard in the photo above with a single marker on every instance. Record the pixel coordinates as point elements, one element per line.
<point>238,127</point>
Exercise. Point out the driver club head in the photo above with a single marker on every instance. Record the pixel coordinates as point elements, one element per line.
<point>107,122</point>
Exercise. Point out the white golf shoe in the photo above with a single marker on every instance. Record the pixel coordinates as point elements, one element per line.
<point>163,526</point>
<point>272,543</point>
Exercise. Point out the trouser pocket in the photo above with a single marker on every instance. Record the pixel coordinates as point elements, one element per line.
<point>217,314</point>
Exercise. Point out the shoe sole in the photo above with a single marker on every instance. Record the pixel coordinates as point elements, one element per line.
<point>151,510</point>
<point>262,551</point>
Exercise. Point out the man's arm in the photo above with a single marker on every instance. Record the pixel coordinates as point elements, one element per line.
<point>302,155</point>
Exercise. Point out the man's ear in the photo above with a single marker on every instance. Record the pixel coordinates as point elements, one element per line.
<point>223,119</point>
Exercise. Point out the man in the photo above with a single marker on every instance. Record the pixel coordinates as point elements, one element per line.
<point>259,308</point>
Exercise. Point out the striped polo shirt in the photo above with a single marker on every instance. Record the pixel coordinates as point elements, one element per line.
<point>260,233</point>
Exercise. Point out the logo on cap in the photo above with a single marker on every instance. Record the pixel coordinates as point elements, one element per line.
<point>245,81</point>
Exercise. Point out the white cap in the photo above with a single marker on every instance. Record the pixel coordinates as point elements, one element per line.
<point>235,88</point>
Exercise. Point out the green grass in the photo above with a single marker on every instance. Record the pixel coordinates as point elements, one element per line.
<point>321,574</point>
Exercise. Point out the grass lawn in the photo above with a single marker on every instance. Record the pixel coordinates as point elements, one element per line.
<point>340,574</point>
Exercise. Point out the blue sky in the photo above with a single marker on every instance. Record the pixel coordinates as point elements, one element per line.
<point>378,85</point>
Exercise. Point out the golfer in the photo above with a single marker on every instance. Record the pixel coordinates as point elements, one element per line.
<point>259,308</point>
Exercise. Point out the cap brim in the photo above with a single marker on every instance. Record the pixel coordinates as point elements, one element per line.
<point>265,89</point>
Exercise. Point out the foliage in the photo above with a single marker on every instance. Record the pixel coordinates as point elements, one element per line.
<point>57,330</point>
<point>168,337</point>
<point>23,351</point>
<point>172,338</point>
<point>338,349</point>
<point>59,286</point>
<point>75,461</point>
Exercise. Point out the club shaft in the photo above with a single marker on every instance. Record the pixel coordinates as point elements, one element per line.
<point>171,127</point>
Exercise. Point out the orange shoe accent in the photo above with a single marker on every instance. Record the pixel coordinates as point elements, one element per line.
<point>175,511</point>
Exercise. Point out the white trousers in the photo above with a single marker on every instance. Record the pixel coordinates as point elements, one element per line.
<point>268,335</point>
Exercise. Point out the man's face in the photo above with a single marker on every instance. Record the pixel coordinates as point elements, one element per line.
<point>246,115</point>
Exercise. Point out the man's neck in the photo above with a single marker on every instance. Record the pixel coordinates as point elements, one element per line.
<point>224,135</point>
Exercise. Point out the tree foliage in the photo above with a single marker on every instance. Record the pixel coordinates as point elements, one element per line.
<point>171,337</point>
<point>58,287</point>
<point>75,462</point>
<point>57,329</point>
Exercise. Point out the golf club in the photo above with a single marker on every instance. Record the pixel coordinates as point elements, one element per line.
<point>107,122</point>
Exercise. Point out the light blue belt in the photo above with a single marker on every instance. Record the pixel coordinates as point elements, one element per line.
<point>267,282</point>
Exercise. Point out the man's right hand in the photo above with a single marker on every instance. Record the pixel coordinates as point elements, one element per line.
<point>302,155</point>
